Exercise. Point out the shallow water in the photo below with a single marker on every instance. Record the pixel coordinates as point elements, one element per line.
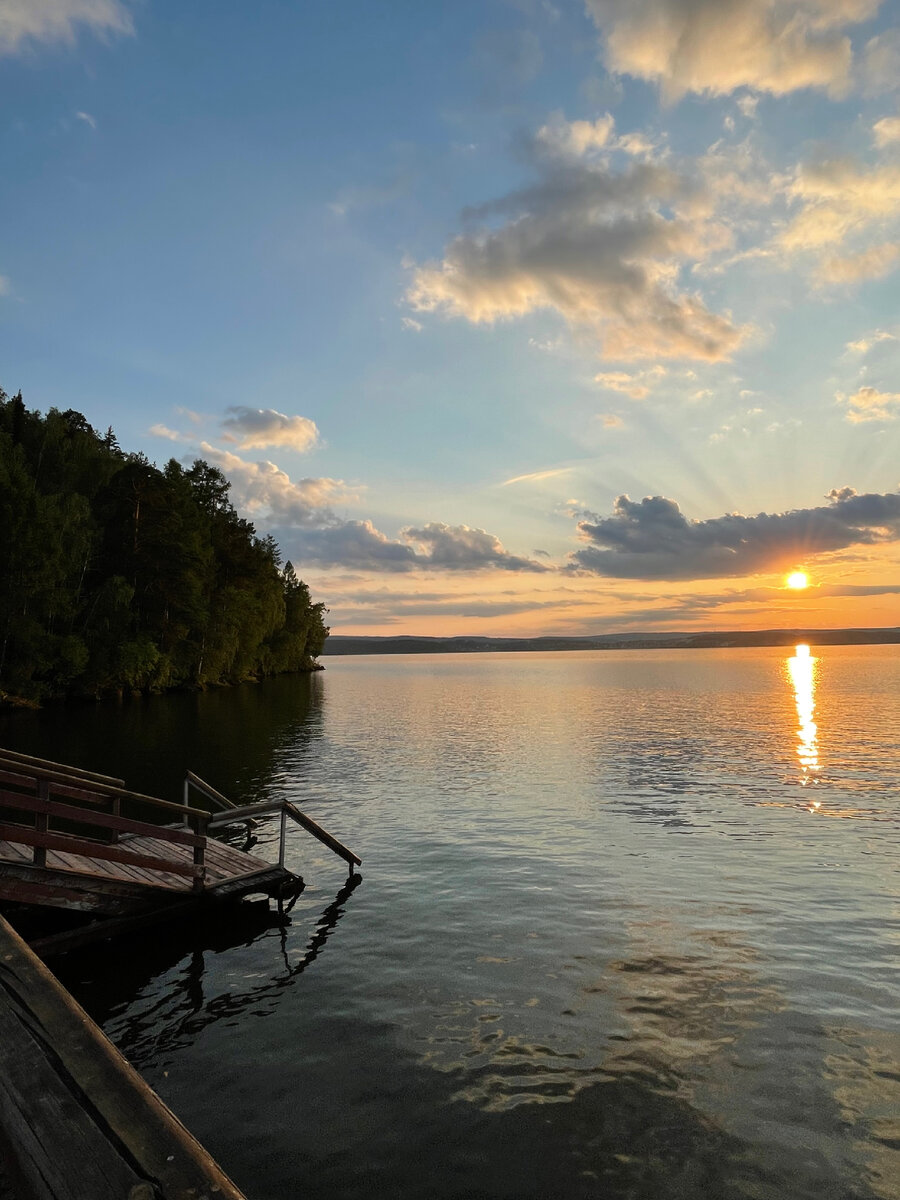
<point>628,926</point>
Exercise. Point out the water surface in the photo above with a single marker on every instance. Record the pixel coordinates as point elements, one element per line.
<point>628,926</point>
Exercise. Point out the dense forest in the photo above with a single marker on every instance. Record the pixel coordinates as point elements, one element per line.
<point>116,575</point>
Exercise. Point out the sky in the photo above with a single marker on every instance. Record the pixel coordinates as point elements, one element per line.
<point>505,317</point>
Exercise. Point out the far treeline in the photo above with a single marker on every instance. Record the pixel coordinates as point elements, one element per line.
<point>117,576</point>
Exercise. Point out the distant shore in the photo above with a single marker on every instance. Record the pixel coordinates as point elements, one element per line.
<point>344,644</point>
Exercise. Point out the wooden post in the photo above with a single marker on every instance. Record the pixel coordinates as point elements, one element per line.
<point>200,852</point>
<point>281,843</point>
<point>41,823</point>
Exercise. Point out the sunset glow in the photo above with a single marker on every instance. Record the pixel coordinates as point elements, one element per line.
<point>573,318</point>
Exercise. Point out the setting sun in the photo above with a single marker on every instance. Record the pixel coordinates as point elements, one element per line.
<point>797,580</point>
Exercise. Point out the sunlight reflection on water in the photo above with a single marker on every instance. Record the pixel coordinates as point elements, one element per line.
<point>599,948</point>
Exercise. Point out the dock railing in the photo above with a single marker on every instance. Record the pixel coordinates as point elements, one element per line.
<point>235,815</point>
<point>38,796</point>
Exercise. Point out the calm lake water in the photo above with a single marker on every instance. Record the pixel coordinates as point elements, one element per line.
<point>628,926</point>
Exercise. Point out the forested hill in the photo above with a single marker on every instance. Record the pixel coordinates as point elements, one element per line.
<point>117,575</point>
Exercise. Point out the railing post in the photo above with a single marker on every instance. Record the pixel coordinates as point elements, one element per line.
<point>41,823</point>
<point>116,811</point>
<point>281,844</point>
<point>200,855</point>
<point>187,788</point>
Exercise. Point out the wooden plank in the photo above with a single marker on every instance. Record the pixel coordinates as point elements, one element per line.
<point>75,845</point>
<point>208,790</point>
<point>26,884</point>
<point>103,789</point>
<point>39,1111</point>
<point>85,816</point>
<point>59,789</point>
<point>138,1126</point>
<point>29,760</point>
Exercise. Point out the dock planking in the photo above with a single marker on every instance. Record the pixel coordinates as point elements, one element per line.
<point>76,1119</point>
<point>67,840</point>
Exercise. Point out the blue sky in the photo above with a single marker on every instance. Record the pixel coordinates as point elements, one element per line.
<point>504,317</point>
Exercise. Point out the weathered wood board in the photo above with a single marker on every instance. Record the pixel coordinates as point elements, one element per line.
<point>77,1122</point>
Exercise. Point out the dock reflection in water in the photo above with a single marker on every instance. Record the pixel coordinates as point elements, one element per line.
<point>177,1007</point>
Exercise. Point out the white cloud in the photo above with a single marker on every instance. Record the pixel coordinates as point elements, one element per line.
<point>748,105</point>
<point>716,46</point>
<point>409,323</point>
<point>602,248</point>
<point>262,489</point>
<point>873,263</point>
<point>881,63</point>
<point>24,21</point>
<point>841,201</point>
<point>611,421</point>
<point>864,344</point>
<point>637,386</point>
<point>256,428</point>
<point>574,139</point>
<point>886,131</point>
<point>5,286</point>
<point>868,404</point>
<point>537,476</point>
<point>163,431</point>
<point>838,197</point>
<point>87,118</point>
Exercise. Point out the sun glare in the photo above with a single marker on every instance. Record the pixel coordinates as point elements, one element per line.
<point>797,580</point>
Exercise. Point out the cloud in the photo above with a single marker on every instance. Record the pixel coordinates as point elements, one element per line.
<point>255,428</point>
<point>301,514</point>
<point>457,547</point>
<point>748,104</point>
<point>838,198</point>
<point>611,421</point>
<point>653,539</point>
<point>868,404</point>
<point>635,386</point>
<point>874,263</point>
<point>573,139</point>
<point>597,246</point>
<point>5,286</point>
<point>537,476</point>
<point>886,131</point>
<point>263,490</point>
<point>716,46</point>
<point>24,21</point>
<point>409,323</point>
<point>163,431</point>
<point>881,63</point>
<point>358,545</point>
<point>865,344</point>
<point>87,118</point>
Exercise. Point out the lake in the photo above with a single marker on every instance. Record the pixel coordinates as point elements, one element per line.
<point>627,927</point>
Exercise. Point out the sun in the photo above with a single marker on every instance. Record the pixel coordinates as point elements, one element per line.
<point>797,580</point>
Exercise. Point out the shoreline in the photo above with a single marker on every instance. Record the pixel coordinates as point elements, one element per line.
<point>350,644</point>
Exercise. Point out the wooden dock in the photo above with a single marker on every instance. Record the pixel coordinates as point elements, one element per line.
<point>77,1122</point>
<point>74,839</point>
